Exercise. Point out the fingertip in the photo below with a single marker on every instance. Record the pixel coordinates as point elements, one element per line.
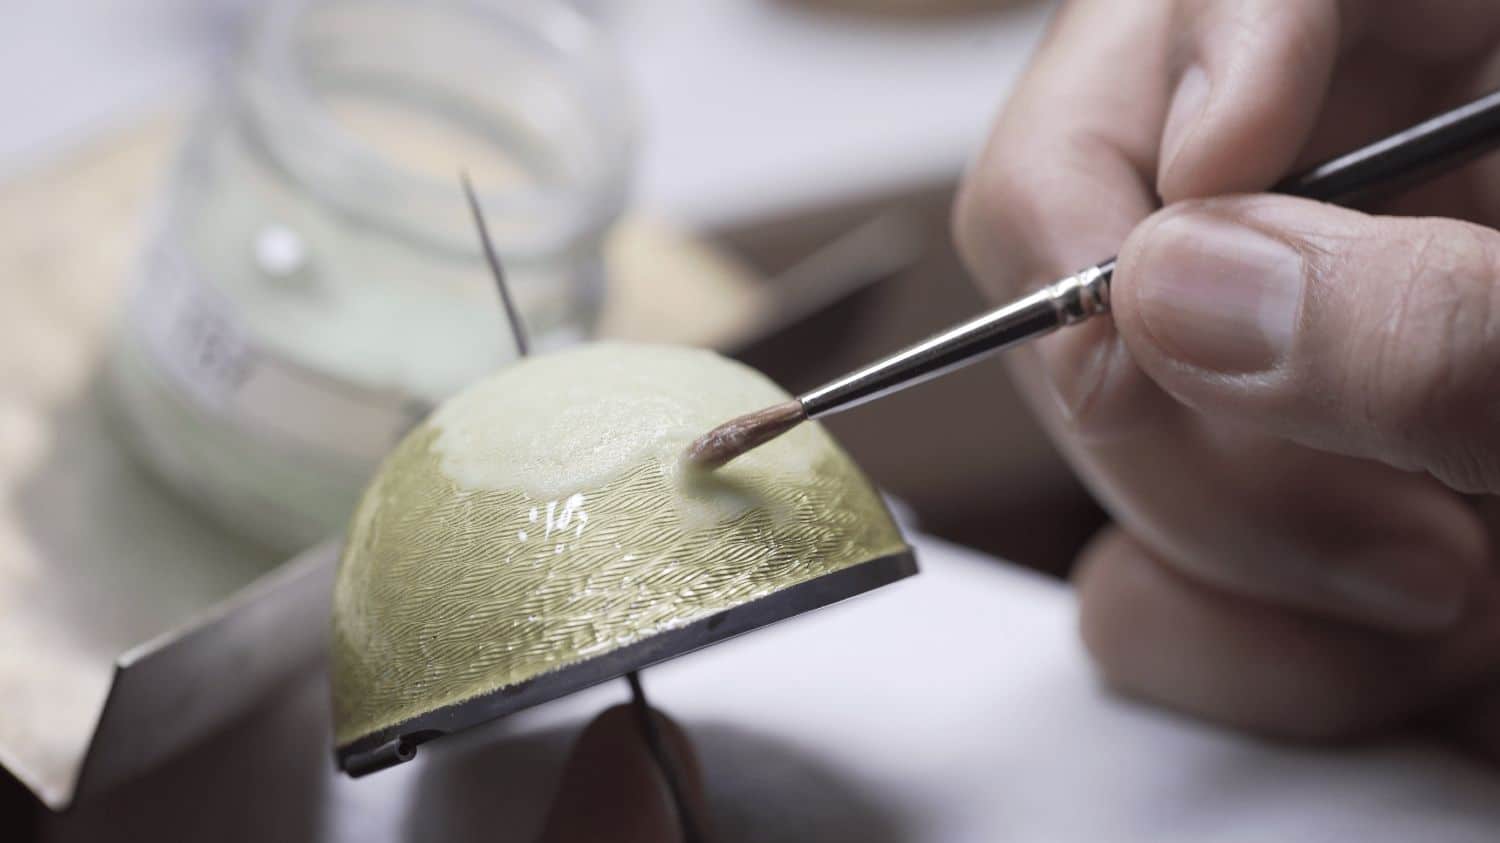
<point>1104,578</point>
<point>612,789</point>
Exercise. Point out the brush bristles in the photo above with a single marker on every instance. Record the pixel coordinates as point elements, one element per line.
<point>736,436</point>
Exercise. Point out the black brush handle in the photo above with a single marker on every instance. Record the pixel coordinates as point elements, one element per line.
<point>1417,154</point>
<point>1381,168</point>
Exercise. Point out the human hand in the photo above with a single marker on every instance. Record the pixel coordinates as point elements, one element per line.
<point>1293,415</point>
<point>612,790</point>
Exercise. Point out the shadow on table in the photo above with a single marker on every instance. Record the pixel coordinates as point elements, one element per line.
<point>760,789</point>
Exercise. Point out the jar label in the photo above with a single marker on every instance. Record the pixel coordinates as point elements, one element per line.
<point>205,351</point>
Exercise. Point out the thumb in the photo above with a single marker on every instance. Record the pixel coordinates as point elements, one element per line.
<point>612,789</point>
<point>1375,337</point>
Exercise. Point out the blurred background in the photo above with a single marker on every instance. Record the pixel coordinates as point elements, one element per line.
<point>797,155</point>
<point>238,266</point>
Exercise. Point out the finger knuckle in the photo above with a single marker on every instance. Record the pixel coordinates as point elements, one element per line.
<point>1291,35</point>
<point>978,211</point>
<point>994,209</point>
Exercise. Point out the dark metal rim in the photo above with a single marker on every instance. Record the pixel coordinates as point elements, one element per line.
<point>396,744</point>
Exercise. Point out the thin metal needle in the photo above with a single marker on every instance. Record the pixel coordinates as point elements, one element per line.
<point>646,722</point>
<point>663,759</point>
<point>523,346</point>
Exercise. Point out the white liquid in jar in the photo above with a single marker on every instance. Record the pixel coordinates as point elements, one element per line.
<point>315,284</point>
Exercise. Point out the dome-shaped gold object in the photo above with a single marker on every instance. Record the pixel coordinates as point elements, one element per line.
<point>539,533</point>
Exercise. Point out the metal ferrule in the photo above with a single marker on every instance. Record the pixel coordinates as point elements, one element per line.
<point>1081,296</point>
<point>1073,299</point>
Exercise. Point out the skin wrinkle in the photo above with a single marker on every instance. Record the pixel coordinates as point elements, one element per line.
<point>1442,389</point>
<point>1317,262</point>
<point>1093,147</point>
<point>1103,365</point>
<point>1097,377</point>
<point>1388,341</point>
<point>1491,333</point>
<point>1429,420</point>
<point>1123,387</point>
<point>1487,356</point>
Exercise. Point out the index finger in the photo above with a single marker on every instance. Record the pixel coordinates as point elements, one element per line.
<point>1067,173</point>
<point>1069,167</point>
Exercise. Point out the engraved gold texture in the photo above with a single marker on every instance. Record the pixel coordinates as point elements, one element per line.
<point>445,592</point>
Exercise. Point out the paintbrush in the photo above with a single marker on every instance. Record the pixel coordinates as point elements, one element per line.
<point>1383,167</point>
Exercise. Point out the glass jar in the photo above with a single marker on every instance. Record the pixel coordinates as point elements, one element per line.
<point>314,282</point>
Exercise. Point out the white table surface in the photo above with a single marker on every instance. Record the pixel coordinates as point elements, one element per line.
<point>953,706</point>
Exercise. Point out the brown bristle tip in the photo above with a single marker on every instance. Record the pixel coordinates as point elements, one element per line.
<point>738,435</point>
